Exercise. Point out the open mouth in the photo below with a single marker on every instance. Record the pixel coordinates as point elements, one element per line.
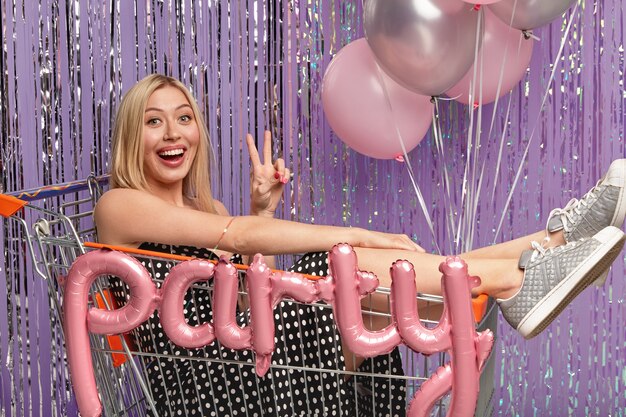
<point>172,154</point>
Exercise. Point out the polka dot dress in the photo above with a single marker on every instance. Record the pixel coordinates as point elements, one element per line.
<point>217,381</point>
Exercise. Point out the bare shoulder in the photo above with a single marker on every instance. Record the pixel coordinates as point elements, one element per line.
<point>114,200</point>
<point>128,217</point>
<point>114,194</point>
<point>117,211</point>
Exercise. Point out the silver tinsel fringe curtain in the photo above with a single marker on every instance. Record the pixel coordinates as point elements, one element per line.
<point>256,65</point>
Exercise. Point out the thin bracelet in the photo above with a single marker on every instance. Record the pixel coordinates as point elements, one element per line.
<point>223,233</point>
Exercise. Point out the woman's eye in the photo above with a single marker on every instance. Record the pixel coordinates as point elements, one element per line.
<point>185,118</point>
<point>153,121</point>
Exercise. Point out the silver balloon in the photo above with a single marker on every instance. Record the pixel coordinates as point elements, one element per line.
<point>529,14</point>
<point>425,45</point>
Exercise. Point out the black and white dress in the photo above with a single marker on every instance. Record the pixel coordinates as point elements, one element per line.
<point>217,381</point>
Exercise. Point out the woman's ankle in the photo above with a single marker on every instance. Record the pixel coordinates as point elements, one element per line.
<point>509,281</point>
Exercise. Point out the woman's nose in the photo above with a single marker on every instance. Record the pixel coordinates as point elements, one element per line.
<point>171,132</point>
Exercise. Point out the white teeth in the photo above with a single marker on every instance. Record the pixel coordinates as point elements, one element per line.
<point>172,152</point>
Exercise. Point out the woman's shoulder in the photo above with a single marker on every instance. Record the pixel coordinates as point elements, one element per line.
<point>119,193</point>
<point>113,195</point>
<point>117,198</point>
<point>115,209</point>
<point>128,217</point>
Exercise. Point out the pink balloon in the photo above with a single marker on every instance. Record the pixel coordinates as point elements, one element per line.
<point>171,309</point>
<point>225,296</point>
<point>505,55</point>
<point>362,115</point>
<point>347,307</point>
<point>456,289</point>
<point>468,350</point>
<point>441,382</point>
<point>455,333</point>
<point>293,285</point>
<point>78,321</point>
<point>259,287</point>
<point>265,290</point>
<point>404,311</point>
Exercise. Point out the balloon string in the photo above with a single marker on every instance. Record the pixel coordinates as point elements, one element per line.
<point>500,80</point>
<point>513,14</point>
<point>467,193</point>
<point>504,130</point>
<point>450,223</point>
<point>508,109</point>
<point>491,128</point>
<point>500,151</point>
<point>471,225</point>
<point>532,134</point>
<point>416,187</point>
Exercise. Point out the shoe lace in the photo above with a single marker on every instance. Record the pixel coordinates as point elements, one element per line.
<point>540,249</point>
<point>575,207</point>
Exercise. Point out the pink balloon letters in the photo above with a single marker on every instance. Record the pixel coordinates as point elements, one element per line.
<point>343,289</point>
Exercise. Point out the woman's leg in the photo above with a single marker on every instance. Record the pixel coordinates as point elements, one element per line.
<point>531,294</point>
<point>500,277</point>
<point>496,265</point>
<point>514,248</point>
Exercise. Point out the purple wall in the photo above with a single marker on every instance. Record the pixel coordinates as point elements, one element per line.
<point>256,65</point>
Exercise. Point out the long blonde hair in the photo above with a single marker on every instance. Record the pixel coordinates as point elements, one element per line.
<point>127,144</point>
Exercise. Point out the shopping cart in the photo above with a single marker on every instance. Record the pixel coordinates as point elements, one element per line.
<point>57,229</point>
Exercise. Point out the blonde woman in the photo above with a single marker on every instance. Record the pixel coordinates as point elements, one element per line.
<point>160,199</point>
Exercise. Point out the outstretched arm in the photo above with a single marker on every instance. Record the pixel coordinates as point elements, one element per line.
<point>129,217</point>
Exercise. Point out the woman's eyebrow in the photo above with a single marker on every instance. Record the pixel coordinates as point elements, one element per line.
<point>161,110</point>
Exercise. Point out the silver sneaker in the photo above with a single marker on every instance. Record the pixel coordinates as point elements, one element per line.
<point>553,277</point>
<point>604,205</point>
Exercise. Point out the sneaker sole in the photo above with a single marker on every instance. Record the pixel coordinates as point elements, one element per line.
<point>616,170</point>
<point>562,295</point>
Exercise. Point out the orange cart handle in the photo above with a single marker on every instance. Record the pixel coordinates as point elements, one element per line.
<point>10,205</point>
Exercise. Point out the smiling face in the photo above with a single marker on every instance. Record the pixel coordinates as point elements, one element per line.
<point>170,138</point>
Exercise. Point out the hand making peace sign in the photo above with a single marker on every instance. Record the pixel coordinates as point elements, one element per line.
<point>267,179</point>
